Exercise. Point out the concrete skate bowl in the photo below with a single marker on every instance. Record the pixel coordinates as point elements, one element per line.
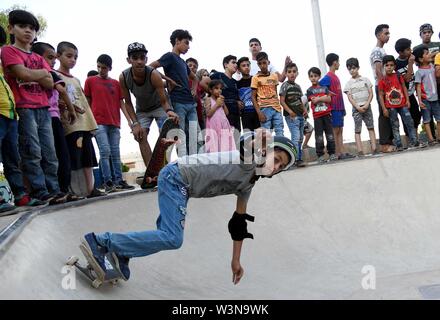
<point>364,229</point>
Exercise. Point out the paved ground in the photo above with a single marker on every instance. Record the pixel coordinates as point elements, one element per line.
<point>315,230</point>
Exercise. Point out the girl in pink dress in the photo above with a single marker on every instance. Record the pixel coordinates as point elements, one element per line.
<point>219,135</point>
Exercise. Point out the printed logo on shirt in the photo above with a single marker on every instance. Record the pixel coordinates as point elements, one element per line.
<point>395,96</point>
<point>321,107</point>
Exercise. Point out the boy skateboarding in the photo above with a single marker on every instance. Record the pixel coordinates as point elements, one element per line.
<point>198,176</point>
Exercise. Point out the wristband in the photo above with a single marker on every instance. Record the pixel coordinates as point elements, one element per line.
<point>134,124</point>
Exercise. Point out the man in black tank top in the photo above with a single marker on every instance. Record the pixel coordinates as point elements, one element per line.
<point>151,101</point>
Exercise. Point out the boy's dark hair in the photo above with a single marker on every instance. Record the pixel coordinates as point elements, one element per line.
<point>228,59</point>
<point>3,37</point>
<point>64,45</point>
<point>291,65</point>
<point>262,56</point>
<point>23,17</point>
<point>331,58</point>
<point>380,28</point>
<point>352,62</point>
<point>180,34</point>
<point>314,70</point>
<point>213,84</point>
<point>241,60</point>
<point>255,40</point>
<point>192,60</point>
<point>388,58</point>
<point>419,51</point>
<point>41,47</point>
<point>105,60</point>
<point>402,45</point>
<point>92,73</point>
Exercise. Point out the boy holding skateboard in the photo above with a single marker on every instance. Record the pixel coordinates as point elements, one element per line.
<point>234,172</point>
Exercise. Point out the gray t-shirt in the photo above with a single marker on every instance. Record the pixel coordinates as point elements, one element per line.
<point>216,174</point>
<point>426,76</point>
<point>359,89</point>
<point>376,56</point>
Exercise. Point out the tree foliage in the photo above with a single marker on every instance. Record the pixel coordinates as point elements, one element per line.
<point>4,20</point>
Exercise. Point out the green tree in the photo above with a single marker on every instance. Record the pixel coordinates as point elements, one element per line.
<point>4,20</point>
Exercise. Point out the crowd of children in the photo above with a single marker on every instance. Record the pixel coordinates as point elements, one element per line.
<point>48,122</point>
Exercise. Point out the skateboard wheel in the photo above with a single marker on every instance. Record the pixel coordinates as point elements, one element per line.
<point>96,284</point>
<point>72,261</point>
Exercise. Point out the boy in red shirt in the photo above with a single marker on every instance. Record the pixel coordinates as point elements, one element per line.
<point>105,98</point>
<point>394,100</point>
<point>320,98</point>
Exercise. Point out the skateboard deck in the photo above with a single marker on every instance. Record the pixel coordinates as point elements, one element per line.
<point>170,130</point>
<point>90,271</point>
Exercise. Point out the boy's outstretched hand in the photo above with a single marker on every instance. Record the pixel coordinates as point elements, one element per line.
<point>237,272</point>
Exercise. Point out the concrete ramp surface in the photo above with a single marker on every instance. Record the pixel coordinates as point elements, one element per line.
<point>325,232</point>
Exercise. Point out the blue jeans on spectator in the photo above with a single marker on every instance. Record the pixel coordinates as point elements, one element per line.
<point>37,150</point>
<point>274,119</point>
<point>189,124</point>
<point>408,122</point>
<point>9,155</point>
<point>296,128</point>
<point>173,200</point>
<point>108,139</point>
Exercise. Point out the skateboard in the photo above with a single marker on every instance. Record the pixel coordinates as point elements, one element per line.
<point>112,275</point>
<point>170,131</point>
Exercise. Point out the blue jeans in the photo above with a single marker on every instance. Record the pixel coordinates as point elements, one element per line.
<point>9,155</point>
<point>37,150</point>
<point>407,120</point>
<point>274,120</point>
<point>173,200</point>
<point>296,128</point>
<point>189,124</point>
<point>108,139</point>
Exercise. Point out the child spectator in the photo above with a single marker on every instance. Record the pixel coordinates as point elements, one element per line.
<point>320,98</point>
<point>29,77</point>
<point>78,135</point>
<point>178,74</point>
<point>193,65</point>
<point>394,100</point>
<point>219,133</point>
<point>360,94</point>
<point>332,82</point>
<point>104,95</point>
<point>249,116</point>
<point>405,67</point>
<point>294,111</point>
<point>9,154</point>
<point>265,97</point>
<point>92,73</point>
<point>64,171</point>
<point>426,86</point>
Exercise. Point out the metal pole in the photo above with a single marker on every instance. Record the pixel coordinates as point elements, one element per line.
<point>318,35</point>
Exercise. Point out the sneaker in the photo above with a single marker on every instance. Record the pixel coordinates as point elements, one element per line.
<point>122,266</point>
<point>123,185</point>
<point>94,253</point>
<point>333,158</point>
<point>361,154</point>
<point>96,193</point>
<point>322,160</point>
<point>300,164</point>
<point>6,207</point>
<point>27,201</point>
<point>375,152</point>
<point>346,156</point>
<point>109,187</point>
<point>71,197</point>
<point>432,143</point>
<point>400,149</point>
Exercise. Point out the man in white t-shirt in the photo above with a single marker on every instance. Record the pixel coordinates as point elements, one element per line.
<point>255,48</point>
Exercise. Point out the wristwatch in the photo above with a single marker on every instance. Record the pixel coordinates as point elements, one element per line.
<point>134,124</point>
